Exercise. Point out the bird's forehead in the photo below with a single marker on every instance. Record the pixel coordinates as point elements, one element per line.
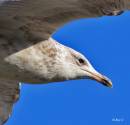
<point>76,53</point>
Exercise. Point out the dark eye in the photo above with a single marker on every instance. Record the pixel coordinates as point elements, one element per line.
<point>81,61</point>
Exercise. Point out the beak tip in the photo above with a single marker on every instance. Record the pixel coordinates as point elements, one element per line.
<point>107,82</point>
<point>110,85</point>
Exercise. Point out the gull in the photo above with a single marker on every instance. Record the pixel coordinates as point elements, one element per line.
<point>30,55</point>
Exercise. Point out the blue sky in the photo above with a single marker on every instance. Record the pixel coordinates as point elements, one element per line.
<point>106,43</point>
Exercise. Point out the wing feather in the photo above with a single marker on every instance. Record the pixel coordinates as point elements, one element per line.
<point>27,22</point>
<point>9,94</point>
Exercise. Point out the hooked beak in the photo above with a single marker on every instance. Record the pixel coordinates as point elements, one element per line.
<point>99,78</point>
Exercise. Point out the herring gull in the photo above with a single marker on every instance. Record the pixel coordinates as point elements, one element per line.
<point>29,54</point>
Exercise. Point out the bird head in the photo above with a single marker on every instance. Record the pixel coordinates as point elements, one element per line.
<point>73,65</point>
<point>50,61</point>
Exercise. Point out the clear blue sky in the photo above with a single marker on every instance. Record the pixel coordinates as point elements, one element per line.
<point>106,43</point>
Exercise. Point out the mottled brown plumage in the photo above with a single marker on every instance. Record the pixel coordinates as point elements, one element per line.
<point>29,54</point>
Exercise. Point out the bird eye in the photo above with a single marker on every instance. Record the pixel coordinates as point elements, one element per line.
<point>81,61</point>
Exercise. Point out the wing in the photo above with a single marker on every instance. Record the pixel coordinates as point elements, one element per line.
<point>27,22</point>
<point>9,93</point>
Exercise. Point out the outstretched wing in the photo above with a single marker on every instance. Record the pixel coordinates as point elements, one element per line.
<point>9,94</point>
<point>26,22</point>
